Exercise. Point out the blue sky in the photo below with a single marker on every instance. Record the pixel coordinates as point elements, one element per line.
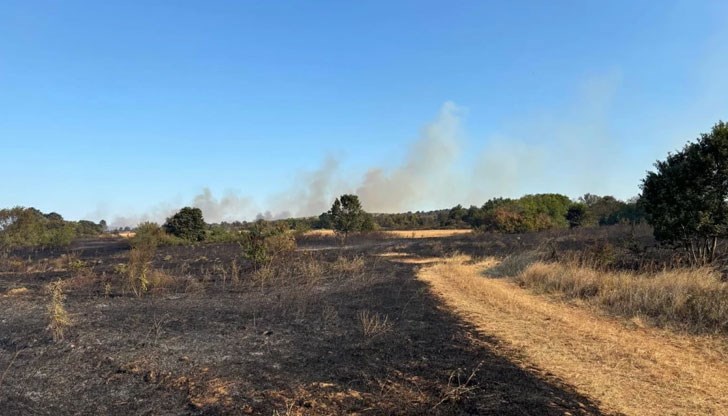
<point>129,110</point>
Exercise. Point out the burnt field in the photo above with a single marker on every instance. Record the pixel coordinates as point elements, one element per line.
<point>324,330</point>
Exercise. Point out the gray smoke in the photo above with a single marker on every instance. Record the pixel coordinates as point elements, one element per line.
<point>569,151</point>
<point>425,174</point>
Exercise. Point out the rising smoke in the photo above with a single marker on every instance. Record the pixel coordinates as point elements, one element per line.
<point>568,152</point>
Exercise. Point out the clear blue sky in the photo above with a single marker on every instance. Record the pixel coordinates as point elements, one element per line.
<point>123,108</point>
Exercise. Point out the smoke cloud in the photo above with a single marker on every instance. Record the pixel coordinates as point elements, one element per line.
<point>566,152</point>
<point>424,174</point>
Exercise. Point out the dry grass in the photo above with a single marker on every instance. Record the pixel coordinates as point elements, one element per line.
<point>428,233</point>
<point>632,370</point>
<point>139,268</point>
<point>17,291</point>
<point>401,233</point>
<point>373,324</point>
<point>58,318</point>
<point>690,299</point>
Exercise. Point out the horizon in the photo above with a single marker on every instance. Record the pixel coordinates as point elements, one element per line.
<point>127,112</point>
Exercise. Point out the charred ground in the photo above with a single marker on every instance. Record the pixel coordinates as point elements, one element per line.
<point>288,340</point>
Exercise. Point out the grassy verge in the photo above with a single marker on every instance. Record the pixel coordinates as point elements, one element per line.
<point>695,300</point>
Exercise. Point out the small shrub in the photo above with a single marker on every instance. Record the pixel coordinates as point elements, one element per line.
<point>264,242</point>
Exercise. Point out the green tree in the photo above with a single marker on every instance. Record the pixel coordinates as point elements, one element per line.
<point>30,227</point>
<point>577,215</point>
<point>685,198</point>
<point>347,215</point>
<point>187,223</point>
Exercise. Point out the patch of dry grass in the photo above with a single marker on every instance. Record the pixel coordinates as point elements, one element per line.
<point>690,299</point>
<point>401,233</point>
<point>428,233</point>
<point>632,370</point>
<point>58,318</point>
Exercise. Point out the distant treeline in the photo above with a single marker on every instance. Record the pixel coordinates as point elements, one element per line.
<point>30,227</point>
<point>529,213</point>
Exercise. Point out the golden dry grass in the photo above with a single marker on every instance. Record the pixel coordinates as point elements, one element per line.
<point>632,370</point>
<point>695,300</point>
<point>17,291</point>
<point>403,233</point>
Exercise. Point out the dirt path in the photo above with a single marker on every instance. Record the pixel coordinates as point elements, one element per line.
<point>632,370</point>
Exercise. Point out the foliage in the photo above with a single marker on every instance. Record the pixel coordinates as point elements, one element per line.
<point>148,235</point>
<point>685,198</point>
<point>577,215</point>
<point>89,228</point>
<point>187,224</point>
<point>264,242</point>
<point>347,215</point>
<point>21,226</point>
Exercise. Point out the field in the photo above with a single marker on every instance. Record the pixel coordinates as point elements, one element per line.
<point>395,324</point>
<point>404,233</point>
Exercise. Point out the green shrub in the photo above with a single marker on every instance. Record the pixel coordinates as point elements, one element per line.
<point>187,224</point>
<point>264,242</point>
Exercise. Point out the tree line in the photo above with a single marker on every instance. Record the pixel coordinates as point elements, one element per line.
<point>21,226</point>
<point>685,200</point>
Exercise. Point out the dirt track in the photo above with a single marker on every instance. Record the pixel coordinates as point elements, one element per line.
<point>626,368</point>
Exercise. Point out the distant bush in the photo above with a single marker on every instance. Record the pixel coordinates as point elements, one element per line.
<point>151,235</point>
<point>187,224</point>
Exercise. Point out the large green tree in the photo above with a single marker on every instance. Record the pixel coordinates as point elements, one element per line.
<point>187,223</point>
<point>685,197</point>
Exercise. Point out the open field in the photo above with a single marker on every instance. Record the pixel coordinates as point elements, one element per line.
<point>383,325</point>
<point>405,233</point>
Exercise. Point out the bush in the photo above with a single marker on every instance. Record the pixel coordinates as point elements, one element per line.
<point>264,242</point>
<point>187,224</point>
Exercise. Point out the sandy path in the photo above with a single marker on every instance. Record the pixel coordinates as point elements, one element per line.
<point>626,368</point>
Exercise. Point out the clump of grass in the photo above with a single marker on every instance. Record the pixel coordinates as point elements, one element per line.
<point>58,317</point>
<point>138,270</point>
<point>234,272</point>
<point>348,266</point>
<point>513,265</point>
<point>264,275</point>
<point>692,299</point>
<point>310,269</point>
<point>373,324</point>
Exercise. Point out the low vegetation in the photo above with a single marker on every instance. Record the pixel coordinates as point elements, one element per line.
<point>692,299</point>
<point>58,318</point>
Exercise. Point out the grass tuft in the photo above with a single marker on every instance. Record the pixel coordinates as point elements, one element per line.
<point>58,317</point>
